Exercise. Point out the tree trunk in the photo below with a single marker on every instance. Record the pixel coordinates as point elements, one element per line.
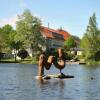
<point>15,55</point>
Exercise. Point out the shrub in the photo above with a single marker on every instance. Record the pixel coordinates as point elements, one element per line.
<point>22,54</point>
<point>97,56</point>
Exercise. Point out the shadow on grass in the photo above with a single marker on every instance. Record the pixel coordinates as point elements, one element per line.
<point>26,61</point>
<point>9,61</point>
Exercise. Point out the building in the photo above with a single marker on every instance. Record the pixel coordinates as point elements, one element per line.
<point>55,38</point>
<point>76,51</point>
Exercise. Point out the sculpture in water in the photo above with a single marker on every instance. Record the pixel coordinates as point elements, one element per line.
<point>59,62</point>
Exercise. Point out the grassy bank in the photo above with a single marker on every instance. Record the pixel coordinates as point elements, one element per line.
<point>25,61</point>
<point>29,62</point>
<point>92,62</point>
<point>9,61</point>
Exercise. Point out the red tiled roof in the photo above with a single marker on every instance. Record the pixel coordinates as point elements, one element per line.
<point>48,32</point>
<point>64,33</point>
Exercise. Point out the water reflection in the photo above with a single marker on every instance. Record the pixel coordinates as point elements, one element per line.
<point>17,82</point>
<point>53,88</point>
<point>61,89</point>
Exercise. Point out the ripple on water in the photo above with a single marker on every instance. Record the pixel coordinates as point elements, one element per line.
<point>17,83</point>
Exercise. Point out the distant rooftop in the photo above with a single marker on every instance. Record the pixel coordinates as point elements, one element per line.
<point>52,33</point>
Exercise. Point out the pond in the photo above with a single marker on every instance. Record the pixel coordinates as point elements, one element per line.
<point>17,82</point>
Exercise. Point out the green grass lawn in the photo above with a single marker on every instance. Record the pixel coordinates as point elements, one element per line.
<point>25,61</point>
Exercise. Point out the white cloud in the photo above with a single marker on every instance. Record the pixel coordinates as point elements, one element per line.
<point>11,21</point>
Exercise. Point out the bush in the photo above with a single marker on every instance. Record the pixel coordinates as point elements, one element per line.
<point>69,56</point>
<point>22,54</point>
<point>97,56</point>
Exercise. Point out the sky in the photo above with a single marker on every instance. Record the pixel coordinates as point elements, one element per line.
<point>71,15</point>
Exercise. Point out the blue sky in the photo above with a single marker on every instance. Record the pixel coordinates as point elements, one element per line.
<point>72,15</point>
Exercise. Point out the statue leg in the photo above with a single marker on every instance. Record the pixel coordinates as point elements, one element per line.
<point>59,62</point>
<point>41,65</point>
<point>48,64</point>
<point>40,70</point>
<point>60,52</point>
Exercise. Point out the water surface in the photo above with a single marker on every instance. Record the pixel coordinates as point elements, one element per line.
<point>17,82</point>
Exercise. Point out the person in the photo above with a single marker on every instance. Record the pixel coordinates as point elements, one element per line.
<point>58,61</point>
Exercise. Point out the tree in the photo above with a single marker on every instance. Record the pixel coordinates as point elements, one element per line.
<point>15,46</point>
<point>91,38</point>
<point>10,42</point>
<point>29,31</point>
<point>6,30</point>
<point>70,43</point>
<point>1,40</point>
<point>8,35</point>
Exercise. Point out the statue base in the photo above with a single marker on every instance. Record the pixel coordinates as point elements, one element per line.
<point>59,76</point>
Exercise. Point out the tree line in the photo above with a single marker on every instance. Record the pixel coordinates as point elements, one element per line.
<point>28,35</point>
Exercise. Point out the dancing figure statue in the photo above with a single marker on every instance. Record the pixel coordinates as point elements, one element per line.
<point>59,62</point>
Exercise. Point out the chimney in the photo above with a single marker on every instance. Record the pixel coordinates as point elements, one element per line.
<point>60,27</point>
<point>48,25</point>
